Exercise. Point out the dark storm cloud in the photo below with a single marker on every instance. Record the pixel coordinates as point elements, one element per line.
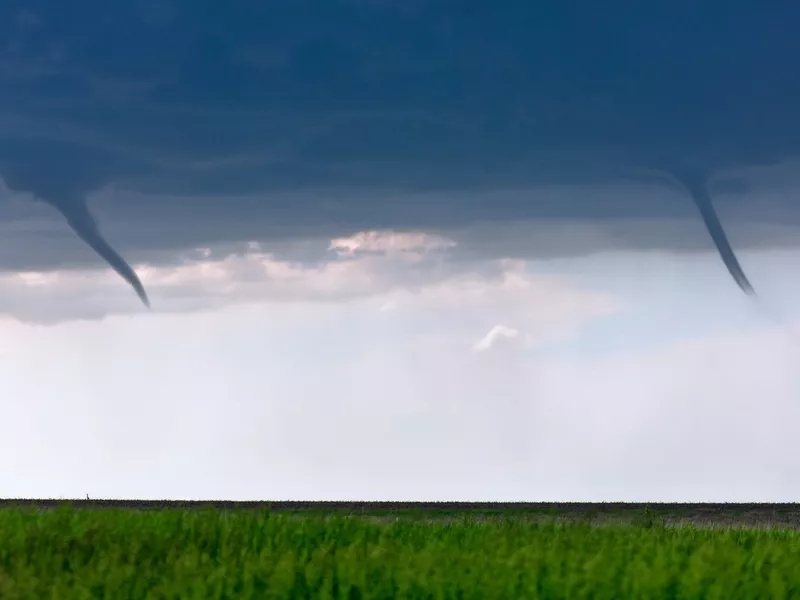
<point>234,110</point>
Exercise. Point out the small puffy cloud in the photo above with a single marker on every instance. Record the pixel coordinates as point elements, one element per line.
<point>412,245</point>
<point>495,334</point>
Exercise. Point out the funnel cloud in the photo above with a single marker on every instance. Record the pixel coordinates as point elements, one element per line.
<point>53,180</point>
<point>696,184</point>
<point>82,222</point>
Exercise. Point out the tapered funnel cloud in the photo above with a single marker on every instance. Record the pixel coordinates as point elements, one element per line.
<point>695,183</point>
<point>84,225</point>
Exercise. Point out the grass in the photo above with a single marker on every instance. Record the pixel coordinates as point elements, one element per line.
<point>181,554</point>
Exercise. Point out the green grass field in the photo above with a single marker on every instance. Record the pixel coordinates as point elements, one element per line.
<point>189,554</point>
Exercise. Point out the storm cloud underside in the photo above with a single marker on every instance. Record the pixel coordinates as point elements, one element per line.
<point>234,107</point>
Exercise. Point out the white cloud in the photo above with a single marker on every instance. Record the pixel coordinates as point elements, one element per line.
<point>503,287</point>
<point>410,245</point>
<point>495,333</point>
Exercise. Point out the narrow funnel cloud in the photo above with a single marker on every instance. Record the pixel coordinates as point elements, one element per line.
<point>695,183</point>
<point>84,225</point>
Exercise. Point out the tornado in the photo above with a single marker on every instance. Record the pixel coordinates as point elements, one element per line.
<point>63,175</point>
<point>83,223</point>
<point>696,183</point>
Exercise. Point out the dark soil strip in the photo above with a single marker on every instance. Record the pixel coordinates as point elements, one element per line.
<point>759,515</point>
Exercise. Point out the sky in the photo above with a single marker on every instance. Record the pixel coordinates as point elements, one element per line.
<point>398,365</point>
<point>389,256</point>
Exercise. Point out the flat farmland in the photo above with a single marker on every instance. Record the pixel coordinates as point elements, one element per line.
<point>167,549</point>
